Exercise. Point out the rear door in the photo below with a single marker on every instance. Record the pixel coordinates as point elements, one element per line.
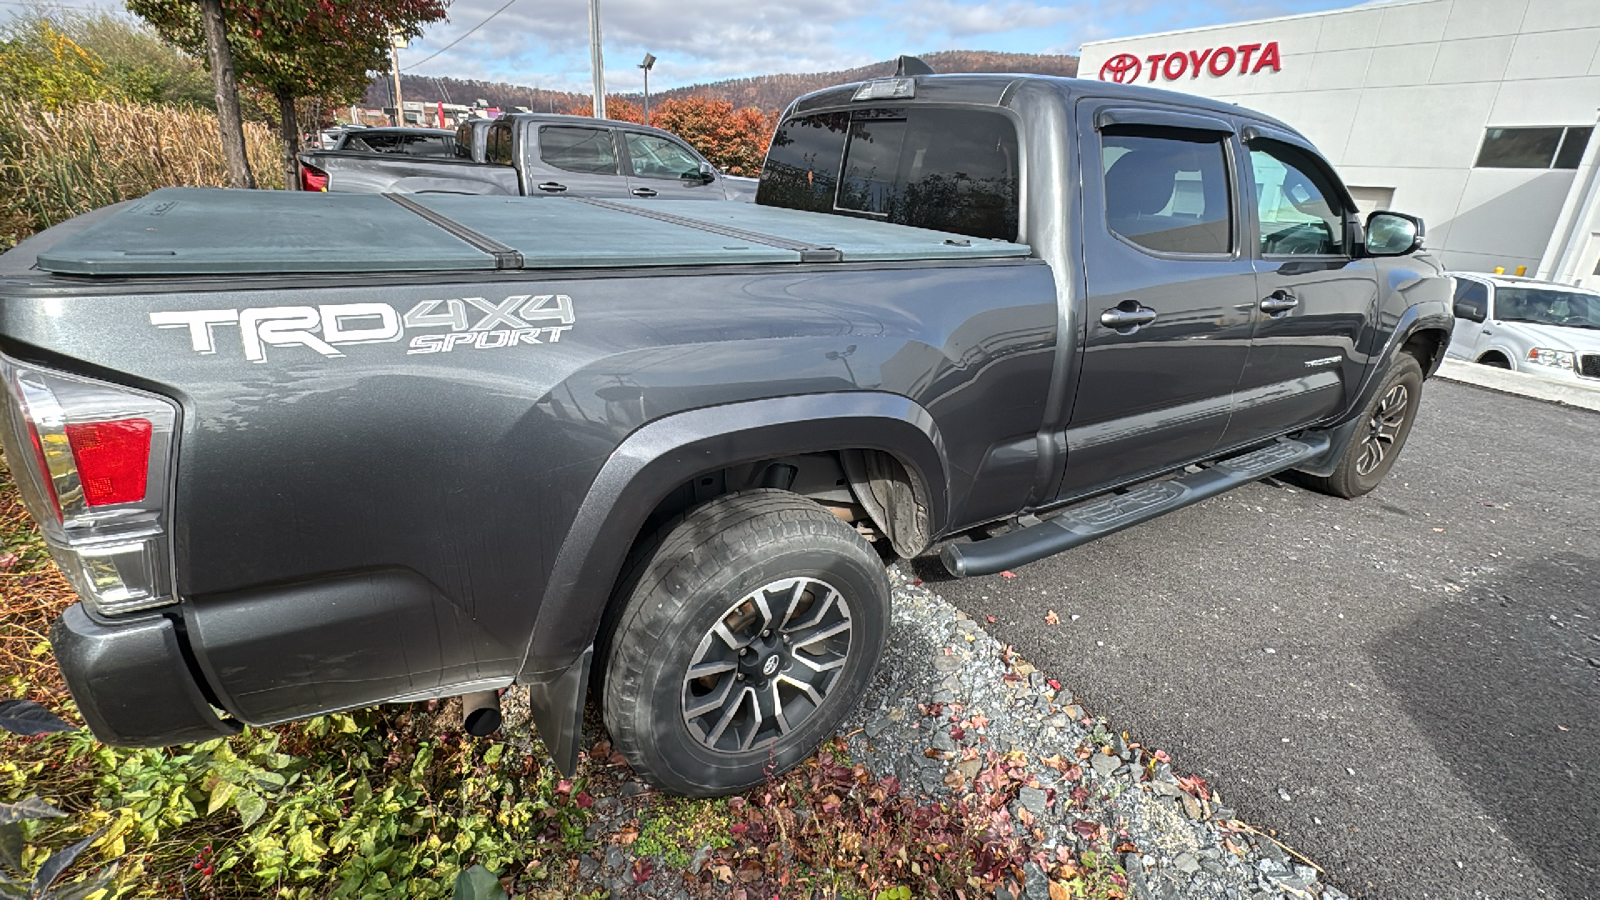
<point>1166,337</point>
<point>662,167</point>
<point>1313,296</point>
<point>574,161</point>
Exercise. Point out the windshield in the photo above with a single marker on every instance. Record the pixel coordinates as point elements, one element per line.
<point>1543,306</point>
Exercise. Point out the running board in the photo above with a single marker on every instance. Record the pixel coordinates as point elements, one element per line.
<point>1081,524</point>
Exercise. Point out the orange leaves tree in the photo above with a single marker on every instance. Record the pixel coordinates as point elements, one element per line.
<point>735,140</point>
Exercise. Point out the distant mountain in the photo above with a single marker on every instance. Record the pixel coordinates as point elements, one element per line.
<point>773,92</point>
<point>767,92</point>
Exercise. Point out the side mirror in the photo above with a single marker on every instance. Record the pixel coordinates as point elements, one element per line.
<point>1469,311</point>
<point>708,173</point>
<point>1393,234</point>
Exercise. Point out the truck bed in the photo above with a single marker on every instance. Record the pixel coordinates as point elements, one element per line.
<point>207,231</point>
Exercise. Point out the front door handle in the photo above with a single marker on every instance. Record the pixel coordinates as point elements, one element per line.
<point>1279,302</point>
<point>551,187</point>
<point>643,192</point>
<point>1120,318</point>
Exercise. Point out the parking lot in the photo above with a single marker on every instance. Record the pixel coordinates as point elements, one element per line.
<point>1406,687</point>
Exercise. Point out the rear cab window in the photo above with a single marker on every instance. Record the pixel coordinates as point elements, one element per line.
<point>497,145</point>
<point>577,148</point>
<point>948,169</point>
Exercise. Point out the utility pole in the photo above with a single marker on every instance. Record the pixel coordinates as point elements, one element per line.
<point>394,67</point>
<point>595,61</point>
<point>648,64</point>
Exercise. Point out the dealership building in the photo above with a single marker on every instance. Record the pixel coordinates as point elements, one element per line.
<point>1478,115</point>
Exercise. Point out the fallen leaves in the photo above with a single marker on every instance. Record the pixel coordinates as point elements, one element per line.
<point>1050,618</point>
<point>1008,574</point>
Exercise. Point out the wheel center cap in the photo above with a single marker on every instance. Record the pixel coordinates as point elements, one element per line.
<point>770,667</point>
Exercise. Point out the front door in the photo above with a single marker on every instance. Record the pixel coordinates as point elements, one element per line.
<point>1166,337</point>
<point>1313,297</point>
<point>662,167</point>
<point>1471,298</point>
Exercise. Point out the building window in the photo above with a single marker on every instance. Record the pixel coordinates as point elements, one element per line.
<point>1572,147</point>
<point>1533,148</point>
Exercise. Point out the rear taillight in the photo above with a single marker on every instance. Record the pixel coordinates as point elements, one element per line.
<point>92,461</point>
<point>113,460</point>
<point>312,178</point>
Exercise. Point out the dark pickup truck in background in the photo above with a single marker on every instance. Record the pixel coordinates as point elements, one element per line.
<point>431,445</point>
<point>538,154</point>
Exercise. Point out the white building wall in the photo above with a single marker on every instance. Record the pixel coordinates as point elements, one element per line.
<point>1399,96</point>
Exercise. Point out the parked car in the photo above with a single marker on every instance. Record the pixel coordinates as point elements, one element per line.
<point>470,138</point>
<point>1527,325</point>
<point>431,445</point>
<point>540,154</point>
<point>410,142</point>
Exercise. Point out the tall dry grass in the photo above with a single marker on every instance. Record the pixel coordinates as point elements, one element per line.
<point>58,164</point>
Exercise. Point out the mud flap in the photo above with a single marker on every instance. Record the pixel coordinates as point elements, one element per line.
<point>556,707</point>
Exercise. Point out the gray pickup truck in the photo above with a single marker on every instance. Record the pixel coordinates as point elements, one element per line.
<point>418,446</point>
<point>537,154</point>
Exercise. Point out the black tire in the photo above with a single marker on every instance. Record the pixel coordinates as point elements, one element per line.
<point>1376,443</point>
<point>711,572</point>
<point>1495,361</point>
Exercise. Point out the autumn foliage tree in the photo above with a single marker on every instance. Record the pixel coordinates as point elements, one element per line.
<point>292,49</point>
<point>735,140</point>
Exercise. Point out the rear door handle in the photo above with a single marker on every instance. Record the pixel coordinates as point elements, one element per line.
<point>551,187</point>
<point>1120,318</point>
<point>643,192</point>
<point>1279,302</point>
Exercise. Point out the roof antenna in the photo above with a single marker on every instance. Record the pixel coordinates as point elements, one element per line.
<point>910,65</point>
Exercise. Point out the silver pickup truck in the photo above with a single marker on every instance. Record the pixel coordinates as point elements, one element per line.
<point>534,154</point>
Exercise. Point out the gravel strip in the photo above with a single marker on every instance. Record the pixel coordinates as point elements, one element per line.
<point>946,700</point>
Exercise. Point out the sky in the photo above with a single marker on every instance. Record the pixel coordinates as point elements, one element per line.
<point>545,43</point>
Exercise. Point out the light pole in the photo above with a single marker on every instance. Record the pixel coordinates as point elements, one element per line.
<point>595,61</point>
<point>394,68</point>
<point>647,65</point>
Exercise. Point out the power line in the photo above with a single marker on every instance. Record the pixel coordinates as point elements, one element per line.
<point>461,38</point>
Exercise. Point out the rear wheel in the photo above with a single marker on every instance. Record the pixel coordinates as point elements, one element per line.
<point>747,632</point>
<point>1376,443</point>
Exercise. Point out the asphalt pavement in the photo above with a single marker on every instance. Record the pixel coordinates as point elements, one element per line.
<point>1404,687</point>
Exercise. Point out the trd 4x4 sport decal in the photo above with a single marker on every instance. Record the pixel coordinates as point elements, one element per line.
<point>509,323</point>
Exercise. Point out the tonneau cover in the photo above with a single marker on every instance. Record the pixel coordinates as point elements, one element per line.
<point>212,231</point>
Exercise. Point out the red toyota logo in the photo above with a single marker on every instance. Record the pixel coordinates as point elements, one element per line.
<point>1122,68</point>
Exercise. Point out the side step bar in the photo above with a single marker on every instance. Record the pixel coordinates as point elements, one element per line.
<point>1081,524</point>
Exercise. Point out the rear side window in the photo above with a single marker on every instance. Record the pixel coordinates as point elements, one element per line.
<point>947,169</point>
<point>1167,190</point>
<point>1472,297</point>
<point>578,149</point>
<point>497,144</point>
<point>464,142</point>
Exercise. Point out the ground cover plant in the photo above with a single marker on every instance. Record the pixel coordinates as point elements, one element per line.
<point>395,802</point>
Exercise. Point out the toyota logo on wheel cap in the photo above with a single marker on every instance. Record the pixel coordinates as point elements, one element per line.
<point>1122,68</point>
<point>771,665</point>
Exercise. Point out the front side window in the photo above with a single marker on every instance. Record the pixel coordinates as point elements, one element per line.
<point>1167,190</point>
<point>576,148</point>
<point>1294,203</point>
<point>657,157</point>
<point>950,170</point>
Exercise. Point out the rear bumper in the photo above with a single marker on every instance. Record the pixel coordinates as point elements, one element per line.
<point>132,683</point>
